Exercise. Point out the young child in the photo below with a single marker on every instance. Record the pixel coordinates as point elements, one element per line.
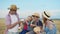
<point>24,27</point>
<point>37,30</point>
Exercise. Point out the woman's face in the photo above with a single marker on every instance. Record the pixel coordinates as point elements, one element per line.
<point>13,11</point>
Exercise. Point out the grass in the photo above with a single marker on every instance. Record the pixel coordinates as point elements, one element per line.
<point>2,25</point>
<point>57,22</point>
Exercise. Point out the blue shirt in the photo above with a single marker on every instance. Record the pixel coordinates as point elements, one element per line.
<point>48,30</point>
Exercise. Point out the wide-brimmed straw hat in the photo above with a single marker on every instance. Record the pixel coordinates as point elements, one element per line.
<point>46,14</point>
<point>14,7</point>
<point>36,14</point>
<point>37,29</point>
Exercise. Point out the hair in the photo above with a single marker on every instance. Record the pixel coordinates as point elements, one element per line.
<point>30,17</point>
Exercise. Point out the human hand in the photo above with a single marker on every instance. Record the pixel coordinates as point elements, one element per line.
<point>32,25</point>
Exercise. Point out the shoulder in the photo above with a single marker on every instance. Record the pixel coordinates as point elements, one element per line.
<point>50,24</point>
<point>40,21</point>
<point>7,16</point>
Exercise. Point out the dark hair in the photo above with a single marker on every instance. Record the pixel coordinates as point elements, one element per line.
<point>51,20</point>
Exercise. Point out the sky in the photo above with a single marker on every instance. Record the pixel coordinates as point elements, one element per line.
<point>28,7</point>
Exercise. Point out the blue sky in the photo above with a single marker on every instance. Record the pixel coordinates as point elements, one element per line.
<point>27,7</point>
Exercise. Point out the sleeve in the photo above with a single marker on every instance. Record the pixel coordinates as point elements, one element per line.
<point>51,32</point>
<point>7,21</point>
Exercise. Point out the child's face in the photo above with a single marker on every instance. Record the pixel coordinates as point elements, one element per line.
<point>29,18</point>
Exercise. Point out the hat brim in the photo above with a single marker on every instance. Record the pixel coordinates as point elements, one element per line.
<point>11,8</point>
<point>36,15</point>
<point>45,16</point>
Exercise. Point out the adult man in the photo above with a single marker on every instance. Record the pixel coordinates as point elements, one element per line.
<point>35,22</point>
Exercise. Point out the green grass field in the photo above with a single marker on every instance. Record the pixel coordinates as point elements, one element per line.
<point>2,25</point>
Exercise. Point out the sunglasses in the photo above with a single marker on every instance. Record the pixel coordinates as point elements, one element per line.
<point>35,16</point>
<point>12,10</point>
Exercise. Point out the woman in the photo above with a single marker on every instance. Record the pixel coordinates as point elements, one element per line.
<point>12,21</point>
<point>49,27</point>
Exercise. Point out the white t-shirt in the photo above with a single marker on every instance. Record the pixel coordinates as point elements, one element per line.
<point>14,19</point>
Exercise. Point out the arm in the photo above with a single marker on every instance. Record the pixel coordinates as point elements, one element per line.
<point>32,24</point>
<point>8,23</point>
<point>11,25</point>
<point>51,29</point>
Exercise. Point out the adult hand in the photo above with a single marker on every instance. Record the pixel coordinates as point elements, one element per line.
<point>18,22</point>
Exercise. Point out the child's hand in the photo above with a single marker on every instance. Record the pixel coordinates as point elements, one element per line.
<point>32,25</point>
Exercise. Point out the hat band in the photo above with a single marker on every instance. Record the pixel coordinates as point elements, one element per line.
<point>46,14</point>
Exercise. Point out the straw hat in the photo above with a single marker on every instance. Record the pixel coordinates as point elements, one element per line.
<point>36,14</point>
<point>37,29</point>
<point>46,14</point>
<point>14,7</point>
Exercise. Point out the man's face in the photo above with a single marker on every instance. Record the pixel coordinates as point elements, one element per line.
<point>13,11</point>
<point>35,18</point>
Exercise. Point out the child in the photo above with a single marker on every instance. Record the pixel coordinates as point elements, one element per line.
<point>37,30</point>
<point>24,30</point>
